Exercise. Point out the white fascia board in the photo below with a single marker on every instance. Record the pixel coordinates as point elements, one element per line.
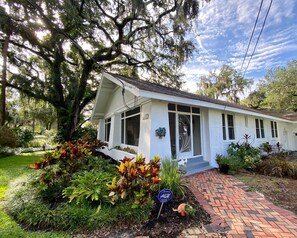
<point>93,117</point>
<point>132,89</point>
<point>200,103</point>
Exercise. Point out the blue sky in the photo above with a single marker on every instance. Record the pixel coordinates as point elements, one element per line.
<point>222,32</point>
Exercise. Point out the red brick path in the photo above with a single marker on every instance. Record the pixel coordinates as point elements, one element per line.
<point>240,213</point>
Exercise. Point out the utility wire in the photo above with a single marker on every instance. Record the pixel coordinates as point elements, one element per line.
<point>258,37</point>
<point>247,49</point>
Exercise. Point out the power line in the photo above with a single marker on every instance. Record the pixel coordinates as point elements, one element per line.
<point>247,49</point>
<point>258,37</point>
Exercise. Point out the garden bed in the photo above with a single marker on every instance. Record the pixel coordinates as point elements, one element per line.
<point>169,224</point>
<point>280,191</point>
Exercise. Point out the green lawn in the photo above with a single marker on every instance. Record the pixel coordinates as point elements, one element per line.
<point>10,168</point>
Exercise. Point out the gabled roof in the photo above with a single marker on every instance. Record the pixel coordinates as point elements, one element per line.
<point>153,90</point>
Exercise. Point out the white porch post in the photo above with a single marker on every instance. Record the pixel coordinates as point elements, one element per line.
<point>101,130</point>
<point>115,131</point>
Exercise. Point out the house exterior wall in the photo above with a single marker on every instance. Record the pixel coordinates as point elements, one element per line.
<point>245,124</point>
<point>154,114</point>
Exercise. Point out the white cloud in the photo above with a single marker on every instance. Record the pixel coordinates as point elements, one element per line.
<point>223,32</point>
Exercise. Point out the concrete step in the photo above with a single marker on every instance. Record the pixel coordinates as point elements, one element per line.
<point>194,170</point>
<point>197,164</point>
<point>194,160</point>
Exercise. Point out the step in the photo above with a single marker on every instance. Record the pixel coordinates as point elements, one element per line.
<point>199,163</point>
<point>198,170</point>
<point>194,160</point>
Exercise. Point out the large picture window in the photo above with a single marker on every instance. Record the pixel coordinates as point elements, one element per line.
<point>107,129</point>
<point>259,128</point>
<point>274,129</point>
<point>228,127</point>
<point>130,123</point>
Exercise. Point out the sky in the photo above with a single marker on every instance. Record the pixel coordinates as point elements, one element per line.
<point>222,32</point>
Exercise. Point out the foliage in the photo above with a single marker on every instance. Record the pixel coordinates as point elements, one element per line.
<point>88,132</point>
<point>89,186</point>
<point>278,165</point>
<point>266,147</point>
<point>58,166</point>
<point>25,206</point>
<point>278,90</point>
<point>6,151</point>
<point>226,84</point>
<point>24,136</point>
<point>240,156</point>
<point>229,165</point>
<point>7,137</point>
<point>126,149</point>
<point>172,178</point>
<point>10,168</point>
<point>137,180</point>
<point>81,39</point>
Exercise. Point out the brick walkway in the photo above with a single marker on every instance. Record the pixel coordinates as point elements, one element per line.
<point>236,212</point>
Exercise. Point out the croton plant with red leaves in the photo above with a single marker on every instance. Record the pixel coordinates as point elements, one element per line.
<point>137,180</point>
<point>65,160</point>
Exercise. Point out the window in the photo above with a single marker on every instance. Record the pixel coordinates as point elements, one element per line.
<point>274,129</point>
<point>228,130</point>
<point>182,108</point>
<point>107,129</point>
<point>130,123</point>
<point>259,128</point>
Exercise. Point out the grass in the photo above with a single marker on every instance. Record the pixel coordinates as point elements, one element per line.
<point>10,168</point>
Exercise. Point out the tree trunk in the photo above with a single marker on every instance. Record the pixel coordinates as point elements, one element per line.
<point>67,123</point>
<point>4,75</point>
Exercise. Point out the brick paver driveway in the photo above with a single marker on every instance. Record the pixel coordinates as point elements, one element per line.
<point>240,213</point>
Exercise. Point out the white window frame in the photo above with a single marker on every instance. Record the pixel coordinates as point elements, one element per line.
<point>274,132</point>
<point>123,118</point>
<point>226,126</point>
<point>259,125</point>
<point>107,122</point>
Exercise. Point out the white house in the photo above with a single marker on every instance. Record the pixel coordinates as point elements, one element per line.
<point>197,128</point>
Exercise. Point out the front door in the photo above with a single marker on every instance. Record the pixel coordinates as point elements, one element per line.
<point>184,135</point>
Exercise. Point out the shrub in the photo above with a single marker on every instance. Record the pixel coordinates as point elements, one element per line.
<point>229,165</point>
<point>278,166</point>
<point>171,177</point>
<point>25,206</point>
<point>88,132</point>
<point>89,186</point>
<point>137,180</point>
<point>6,151</point>
<point>24,136</point>
<point>7,137</point>
<point>266,147</point>
<point>57,168</point>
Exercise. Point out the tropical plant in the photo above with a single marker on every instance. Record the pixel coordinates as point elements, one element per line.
<point>171,177</point>
<point>58,166</point>
<point>89,186</point>
<point>266,147</point>
<point>137,180</point>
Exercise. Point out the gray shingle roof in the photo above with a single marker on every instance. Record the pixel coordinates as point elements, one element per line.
<point>157,88</point>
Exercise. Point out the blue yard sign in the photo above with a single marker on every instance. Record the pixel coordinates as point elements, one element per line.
<point>164,195</point>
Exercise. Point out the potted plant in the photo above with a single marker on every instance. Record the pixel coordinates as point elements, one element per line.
<point>223,163</point>
<point>160,132</point>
